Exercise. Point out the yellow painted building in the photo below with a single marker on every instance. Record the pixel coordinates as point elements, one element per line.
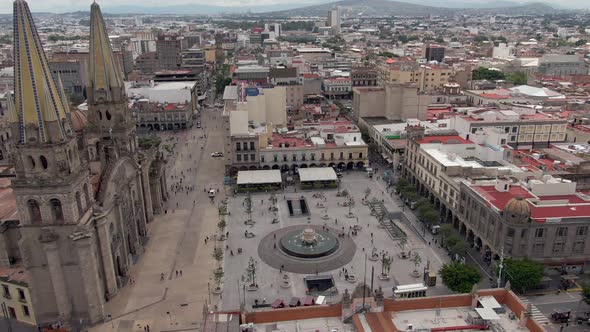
<point>426,77</point>
<point>16,296</point>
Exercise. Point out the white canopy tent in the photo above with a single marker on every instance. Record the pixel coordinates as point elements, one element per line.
<point>259,177</point>
<point>317,174</point>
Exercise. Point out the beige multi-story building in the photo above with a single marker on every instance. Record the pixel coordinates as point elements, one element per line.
<point>245,150</point>
<point>499,207</point>
<point>262,106</point>
<point>294,94</point>
<point>337,87</point>
<point>291,154</point>
<point>392,101</point>
<point>157,116</point>
<point>426,77</point>
<point>262,149</point>
<point>16,296</point>
<point>526,127</point>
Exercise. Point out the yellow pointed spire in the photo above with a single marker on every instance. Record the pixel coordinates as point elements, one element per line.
<point>12,115</point>
<point>36,98</point>
<point>62,94</point>
<point>105,80</point>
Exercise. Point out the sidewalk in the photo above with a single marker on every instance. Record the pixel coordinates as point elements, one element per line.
<point>177,244</point>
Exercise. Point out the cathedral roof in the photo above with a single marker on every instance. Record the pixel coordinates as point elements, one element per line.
<point>104,74</point>
<point>37,101</point>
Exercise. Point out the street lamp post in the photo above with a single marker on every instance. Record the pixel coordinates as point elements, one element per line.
<point>500,267</point>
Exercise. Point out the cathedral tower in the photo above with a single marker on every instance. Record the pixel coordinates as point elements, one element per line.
<point>111,129</point>
<point>52,188</point>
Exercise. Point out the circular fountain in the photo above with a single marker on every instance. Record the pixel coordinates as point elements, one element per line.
<point>309,243</point>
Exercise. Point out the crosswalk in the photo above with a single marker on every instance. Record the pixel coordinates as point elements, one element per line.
<point>537,315</point>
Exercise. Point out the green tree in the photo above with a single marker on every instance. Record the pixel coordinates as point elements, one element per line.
<point>452,240</point>
<point>459,248</point>
<point>221,83</point>
<point>518,78</point>
<point>446,230</point>
<point>388,55</point>
<point>480,39</point>
<point>581,42</point>
<point>586,293</point>
<point>298,25</point>
<point>482,73</point>
<point>459,277</point>
<point>218,254</point>
<point>402,185</point>
<point>523,274</point>
<point>428,214</point>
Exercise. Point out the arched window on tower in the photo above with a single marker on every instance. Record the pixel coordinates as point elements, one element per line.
<point>56,210</point>
<point>79,203</point>
<point>34,211</point>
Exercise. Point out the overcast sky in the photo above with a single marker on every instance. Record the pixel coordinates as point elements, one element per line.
<point>73,5</point>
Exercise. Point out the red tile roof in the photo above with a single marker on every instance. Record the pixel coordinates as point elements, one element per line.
<point>572,206</point>
<point>493,96</point>
<point>450,139</point>
<point>499,199</point>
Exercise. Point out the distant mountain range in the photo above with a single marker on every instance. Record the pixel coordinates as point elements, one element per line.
<point>197,9</point>
<point>352,7</point>
<point>397,8</point>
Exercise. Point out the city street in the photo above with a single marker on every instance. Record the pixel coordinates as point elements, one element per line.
<point>176,238</point>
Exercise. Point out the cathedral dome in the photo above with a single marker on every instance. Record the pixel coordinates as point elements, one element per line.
<point>79,120</point>
<point>517,210</point>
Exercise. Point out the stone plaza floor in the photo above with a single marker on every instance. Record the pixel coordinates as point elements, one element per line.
<point>369,236</point>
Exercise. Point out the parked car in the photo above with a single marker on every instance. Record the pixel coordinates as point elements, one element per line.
<point>217,154</point>
<point>561,315</point>
<point>211,193</point>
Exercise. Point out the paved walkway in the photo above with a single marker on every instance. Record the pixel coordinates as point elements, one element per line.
<point>176,243</point>
<point>370,236</point>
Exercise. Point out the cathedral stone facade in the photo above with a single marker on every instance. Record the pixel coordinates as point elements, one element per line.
<point>84,188</point>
